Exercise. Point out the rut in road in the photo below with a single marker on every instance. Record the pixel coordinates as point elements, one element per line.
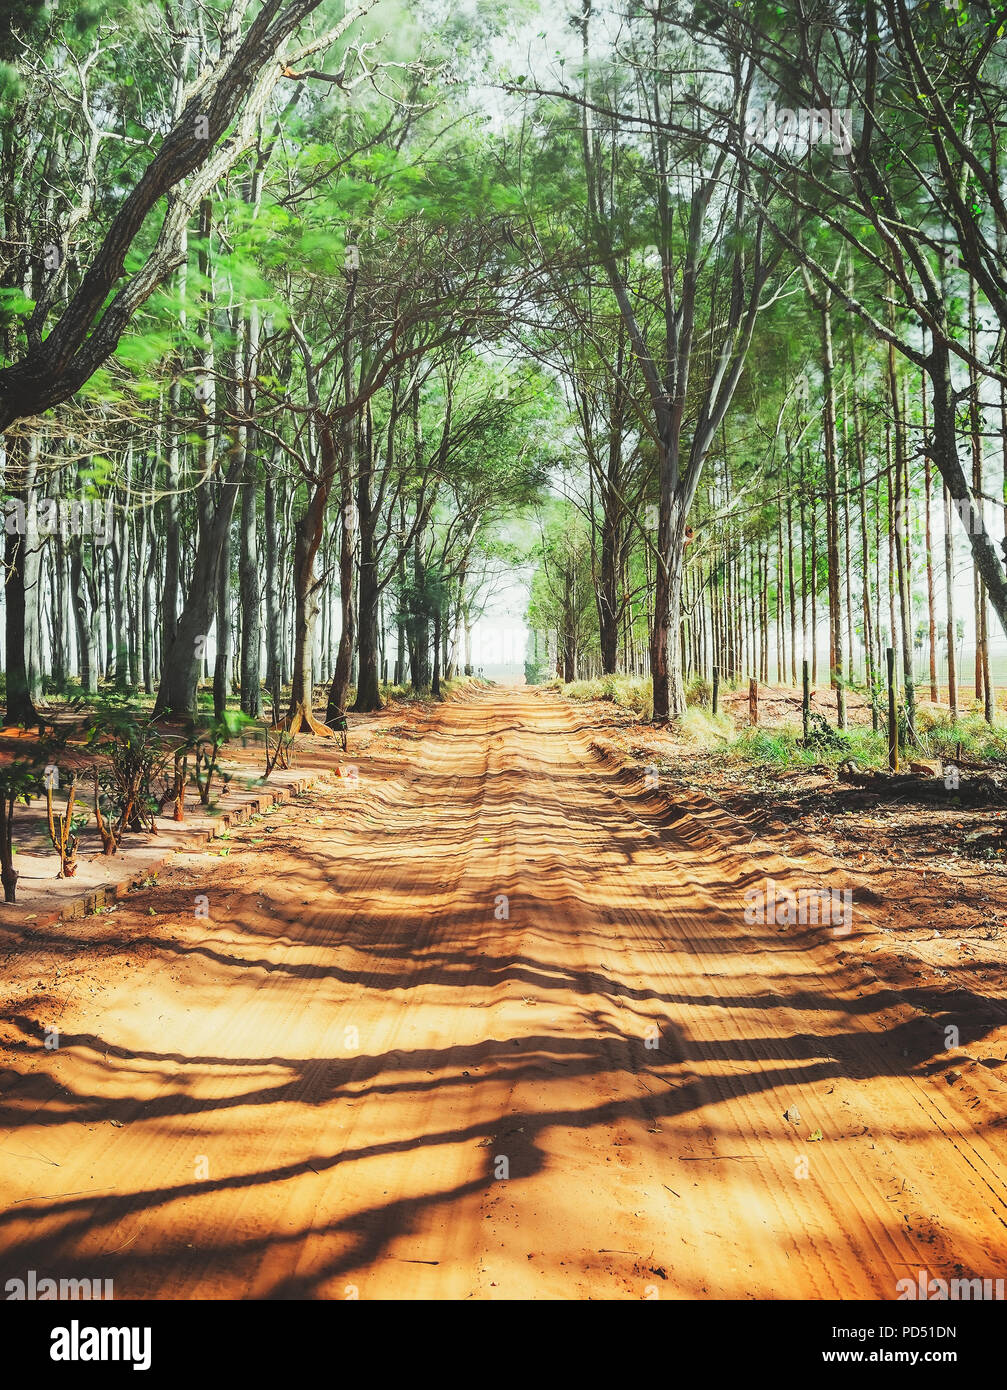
<point>494,1027</point>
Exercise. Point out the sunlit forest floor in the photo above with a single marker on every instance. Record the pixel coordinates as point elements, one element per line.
<point>938,869</point>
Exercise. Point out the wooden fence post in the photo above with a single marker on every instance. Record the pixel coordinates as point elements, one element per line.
<point>806,700</point>
<point>893,722</point>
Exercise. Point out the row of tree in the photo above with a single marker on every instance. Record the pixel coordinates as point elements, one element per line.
<point>711,298</point>
<point>302,431</point>
<point>790,336</point>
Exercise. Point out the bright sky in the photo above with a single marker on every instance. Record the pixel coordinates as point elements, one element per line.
<point>500,637</point>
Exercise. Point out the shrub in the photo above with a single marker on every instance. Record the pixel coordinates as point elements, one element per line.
<point>701,727</point>
<point>536,672</point>
<point>64,828</point>
<point>940,737</point>
<point>634,693</point>
<point>699,691</point>
<point>132,753</point>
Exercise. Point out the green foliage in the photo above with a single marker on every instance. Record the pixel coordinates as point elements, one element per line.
<point>13,302</point>
<point>536,671</point>
<point>821,734</point>
<point>633,693</point>
<point>19,19</point>
<point>785,747</point>
<point>970,736</point>
<point>129,751</point>
<point>699,691</point>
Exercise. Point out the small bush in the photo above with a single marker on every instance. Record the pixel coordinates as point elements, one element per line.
<point>132,752</point>
<point>822,735</point>
<point>940,737</point>
<point>785,747</point>
<point>699,691</point>
<point>706,730</point>
<point>633,693</point>
<point>776,749</point>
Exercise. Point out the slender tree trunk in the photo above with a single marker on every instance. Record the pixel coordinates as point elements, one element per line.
<point>21,463</point>
<point>369,679</point>
<point>832,517</point>
<point>665,656</point>
<point>870,672</point>
<point>931,608</point>
<point>339,689</point>
<point>248,555</point>
<point>183,664</point>
<point>435,685</point>
<point>949,605</point>
<point>902,555</point>
<point>223,627</point>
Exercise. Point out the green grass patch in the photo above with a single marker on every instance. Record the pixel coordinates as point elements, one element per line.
<point>634,693</point>
<point>706,730</point>
<point>969,737</point>
<point>784,747</point>
<point>939,740</point>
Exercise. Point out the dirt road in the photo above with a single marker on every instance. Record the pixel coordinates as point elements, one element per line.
<point>490,1025</point>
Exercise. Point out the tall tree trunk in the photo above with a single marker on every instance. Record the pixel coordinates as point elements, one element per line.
<point>608,586</point>
<point>19,478</point>
<point>184,662</point>
<point>223,628</point>
<point>248,555</point>
<point>949,605</point>
<point>272,599</point>
<point>369,593</point>
<point>665,656</point>
<point>248,587</point>
<point>832,516</point>
<point>931,608</point>
<point>870,672</point>
<point>902,555</point>
<point>338,691</point>
<point>120,558</point>
<point>435,684</point>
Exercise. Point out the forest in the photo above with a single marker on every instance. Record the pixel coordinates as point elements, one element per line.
<point>731,401</point>
<point>486,487</point>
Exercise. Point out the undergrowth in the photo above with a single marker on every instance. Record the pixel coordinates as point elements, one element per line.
<point>633,693</point>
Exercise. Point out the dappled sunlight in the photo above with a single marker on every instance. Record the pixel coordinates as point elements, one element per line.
<point>363,1070</point>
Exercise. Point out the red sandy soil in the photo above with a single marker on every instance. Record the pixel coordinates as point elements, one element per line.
<point>357,1077</point>
<point>236,786</point>
<point>939,871</point>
